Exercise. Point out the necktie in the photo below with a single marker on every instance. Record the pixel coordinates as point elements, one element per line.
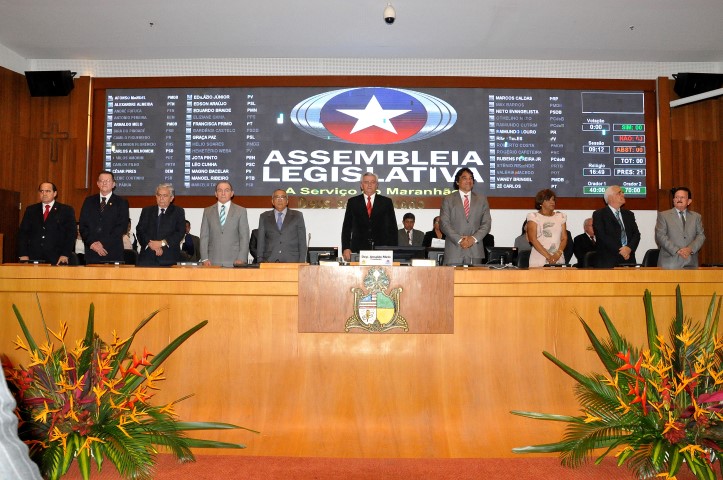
<point>592,239</point>
<point>623,235</point>
<point>682,217</point>
<point>102,204</point>
<point>222,215</point>
<point>466,206</point>
<point>369,206</point>
<point>279,220</point>
<point>158,220</point>
<point>410,237</point>
<point>47,211</point>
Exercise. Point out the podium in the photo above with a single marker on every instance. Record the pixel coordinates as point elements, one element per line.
<point>359,299</point>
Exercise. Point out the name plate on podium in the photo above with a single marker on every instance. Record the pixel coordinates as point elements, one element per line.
<point>376,299</point>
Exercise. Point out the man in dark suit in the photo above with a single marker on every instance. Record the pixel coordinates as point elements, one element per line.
<point>465,220</point>
<point>103,221</point>
<point>369,219</point>
<point>190,246</point>
<point>282,232</point>
<point>408,235</point>
<point>585,242</point>
<point>160,230</point>
<point>616,232</point>
<point>47,231</point>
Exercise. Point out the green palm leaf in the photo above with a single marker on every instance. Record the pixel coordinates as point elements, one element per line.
<point>651,403</point>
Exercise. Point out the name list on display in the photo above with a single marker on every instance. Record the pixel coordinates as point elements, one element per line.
<point>190,137</point>
<point>574,145</point>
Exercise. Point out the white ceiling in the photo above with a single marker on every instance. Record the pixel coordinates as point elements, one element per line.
<point>602,30</point>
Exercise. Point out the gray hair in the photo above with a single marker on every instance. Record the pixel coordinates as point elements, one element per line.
<point>609,193</point>
<point>168,186</point>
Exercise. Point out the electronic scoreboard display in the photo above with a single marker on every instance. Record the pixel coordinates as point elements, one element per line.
<point>320,140</point>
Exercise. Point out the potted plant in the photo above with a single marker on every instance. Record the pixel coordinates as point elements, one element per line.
<point>91,401</point>
<point>655,407</point>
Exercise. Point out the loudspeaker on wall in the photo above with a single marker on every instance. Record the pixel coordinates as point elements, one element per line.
<point>50,83</point>
<point>687,84</point>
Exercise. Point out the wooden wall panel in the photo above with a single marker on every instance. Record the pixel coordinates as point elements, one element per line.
<point>697,162</point>
<point>344,395</point>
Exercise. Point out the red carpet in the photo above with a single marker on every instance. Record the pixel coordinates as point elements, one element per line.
<point>215,467</point>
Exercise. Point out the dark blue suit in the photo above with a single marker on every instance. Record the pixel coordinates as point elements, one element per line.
<point>107,227</point>
<point>360,231</point>
<point>607,236</point>
<point>171,227</point>
<point>50,239</point>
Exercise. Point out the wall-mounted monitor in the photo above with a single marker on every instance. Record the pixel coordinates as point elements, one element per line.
<point>316,138</point>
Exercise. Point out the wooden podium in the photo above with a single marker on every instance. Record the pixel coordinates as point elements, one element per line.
<point>331,299</point>
<point>362,395</point>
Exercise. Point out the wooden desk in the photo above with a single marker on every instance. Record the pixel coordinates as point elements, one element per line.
<point>362,395</point>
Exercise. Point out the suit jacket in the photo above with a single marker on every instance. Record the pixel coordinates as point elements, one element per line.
<point>171,227</point>
<point>671,237</point>
<point>403,238</point>
<point>228,244</point>
<point>455,225</point>
<point>287,245</point>
<point>107,227</point>
<point>196,242</point>
<point>361,232</point>
<point>581,245</point>
<point>607,235</point>
<point>49,239</point>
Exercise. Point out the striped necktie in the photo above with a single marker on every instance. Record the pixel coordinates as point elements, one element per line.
<point>222,215</point>
<point>623,235</point>
<point>466,206</point>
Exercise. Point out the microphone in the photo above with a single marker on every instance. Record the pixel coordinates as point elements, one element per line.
<point>308,243</point>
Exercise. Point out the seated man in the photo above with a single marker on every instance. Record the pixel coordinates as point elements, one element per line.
<point>408,235</point>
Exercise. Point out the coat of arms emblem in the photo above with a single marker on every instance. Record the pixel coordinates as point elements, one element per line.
<point>375,310</point>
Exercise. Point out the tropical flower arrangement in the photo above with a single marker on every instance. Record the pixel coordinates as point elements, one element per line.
<point>91,401</point>
<point>656,407</point>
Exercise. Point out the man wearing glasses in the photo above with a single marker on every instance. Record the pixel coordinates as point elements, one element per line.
<point>103,221</point>
<point>160,230</point>
<point>282,232</point>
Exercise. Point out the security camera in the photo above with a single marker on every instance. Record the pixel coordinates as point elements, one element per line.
<point>389,14</point>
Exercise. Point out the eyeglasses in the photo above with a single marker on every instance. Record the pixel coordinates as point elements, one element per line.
<point>276,197</point>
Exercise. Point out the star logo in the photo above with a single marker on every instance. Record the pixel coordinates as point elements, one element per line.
<point>356,115</point>
<point>373,116</point>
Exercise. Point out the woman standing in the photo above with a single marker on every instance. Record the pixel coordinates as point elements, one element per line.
<point>546,231</point>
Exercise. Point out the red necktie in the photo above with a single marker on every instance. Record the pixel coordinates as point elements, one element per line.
<point>369,206</point>
<point>46,212</point>
<point>466,206</point>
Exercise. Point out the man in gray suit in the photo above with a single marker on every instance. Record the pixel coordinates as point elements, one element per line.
<point>408,235</point>
<point>224,230</point>
<point>679,233</point>
<point>282,232</point>
<point>465,220</point>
